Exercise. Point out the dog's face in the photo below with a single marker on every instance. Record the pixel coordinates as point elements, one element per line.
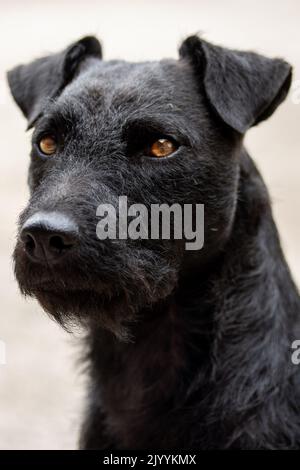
<point>160,132</point>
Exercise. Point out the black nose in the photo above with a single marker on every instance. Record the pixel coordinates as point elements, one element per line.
<point>49,236</point>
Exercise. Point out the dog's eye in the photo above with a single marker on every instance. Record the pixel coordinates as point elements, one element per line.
<point>47,145</point>
<point>162,148</point>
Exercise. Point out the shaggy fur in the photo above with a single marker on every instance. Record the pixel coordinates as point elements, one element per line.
<point>186,349</point>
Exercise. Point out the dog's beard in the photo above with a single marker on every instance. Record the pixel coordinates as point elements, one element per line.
<point>76,294</point>
<point>88,308</point>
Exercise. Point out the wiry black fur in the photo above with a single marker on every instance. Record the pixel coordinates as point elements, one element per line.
<point>186,349</point>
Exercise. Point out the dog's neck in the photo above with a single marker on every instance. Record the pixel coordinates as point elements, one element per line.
<point>218,341</point>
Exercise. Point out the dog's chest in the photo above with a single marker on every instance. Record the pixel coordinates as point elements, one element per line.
<point>138,390</point>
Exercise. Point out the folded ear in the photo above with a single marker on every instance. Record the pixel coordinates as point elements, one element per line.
<point>244,88</point>
<point>43,79</point>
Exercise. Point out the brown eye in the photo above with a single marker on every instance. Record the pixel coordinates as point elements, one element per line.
<point>162,148</point>
<point>47,145</point>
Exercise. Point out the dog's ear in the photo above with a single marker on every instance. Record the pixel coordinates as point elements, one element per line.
<point>244,88</point>
<point>43,79</point>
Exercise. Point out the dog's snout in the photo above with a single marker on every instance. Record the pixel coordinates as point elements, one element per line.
<point>47,237</point>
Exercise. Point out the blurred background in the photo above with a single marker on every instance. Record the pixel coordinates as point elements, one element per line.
<point>41,387</point>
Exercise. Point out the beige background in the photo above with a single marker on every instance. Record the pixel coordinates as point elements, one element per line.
<point>41,389</point>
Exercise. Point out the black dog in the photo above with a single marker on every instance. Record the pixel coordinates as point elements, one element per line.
<point>186,348</point>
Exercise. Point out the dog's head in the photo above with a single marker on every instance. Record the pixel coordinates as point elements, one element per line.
<point>157,132</point>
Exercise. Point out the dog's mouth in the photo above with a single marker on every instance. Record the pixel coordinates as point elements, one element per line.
<point>61,291</point>
<point>68,279</point>
<point>69,296</point>
<point>80,297</point>
<point>110,293</point>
